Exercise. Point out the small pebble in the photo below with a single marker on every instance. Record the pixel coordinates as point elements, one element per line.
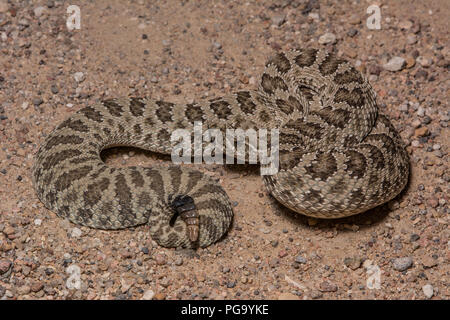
<point>38,11</point>
<point>23,290</point>
<point>126,253</point>
<point>54,89</point>
<point>410,62</point>
<point>327,38</point>
<point>278,19</point>
<point>315,16</point>
<point>426,120</point>
<point>405,24</point>
<point>403,108</point>
<point>420,111</point>
<point>75,233</point>
<point>161,259</point>
<point>4,266</point>
<point>179,261</point>
<point>352,32</point>
<point>411,39</point>
<point>429,262</point>
<point>159,296</point>
<point>424,62</point>
<point>78,76</point>
<point>37,286</point>
<point>354,19</point>
<point>37,101</point>
<point>148,295</point>
<point>402,264</point>
<point>428,290</point>
<point>421,132</point>
<point>49,271</point>
<point>9,230</point>
<point>353,262</point>
<point>395,64</point>
<point>300,259</point>
<point>327,286</point>
<point>24,22</point>
<point>374,69</point>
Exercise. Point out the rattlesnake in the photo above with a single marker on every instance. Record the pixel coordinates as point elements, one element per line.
<point>338,155</point>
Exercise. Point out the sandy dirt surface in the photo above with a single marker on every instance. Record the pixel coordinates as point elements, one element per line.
<point>189,50</point>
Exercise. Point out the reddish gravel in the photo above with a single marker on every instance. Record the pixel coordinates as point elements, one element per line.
<point>186,50</point>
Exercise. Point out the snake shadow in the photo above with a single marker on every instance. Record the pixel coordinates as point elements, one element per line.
<point>364,220</point>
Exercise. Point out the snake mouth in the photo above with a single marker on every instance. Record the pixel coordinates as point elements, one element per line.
<point>184,207</point>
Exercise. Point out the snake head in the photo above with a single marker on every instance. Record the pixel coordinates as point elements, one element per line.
<point>184,206</point>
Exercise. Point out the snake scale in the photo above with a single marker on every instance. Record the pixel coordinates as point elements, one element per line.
<point>338,155</point>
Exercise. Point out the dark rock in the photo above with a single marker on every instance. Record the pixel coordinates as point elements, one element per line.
<point>300,259</point>
<point>352,32</point>
<point>38,101</point>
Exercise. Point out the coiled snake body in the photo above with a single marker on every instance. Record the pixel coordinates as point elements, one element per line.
<point>338,155</point>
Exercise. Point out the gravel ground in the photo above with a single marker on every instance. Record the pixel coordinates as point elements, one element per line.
<point>186,50</point>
